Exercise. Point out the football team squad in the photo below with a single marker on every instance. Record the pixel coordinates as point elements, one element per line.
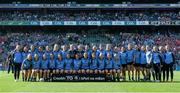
<point>133,62</point>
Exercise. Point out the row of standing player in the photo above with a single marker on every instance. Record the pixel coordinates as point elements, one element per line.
<point>107,61</point>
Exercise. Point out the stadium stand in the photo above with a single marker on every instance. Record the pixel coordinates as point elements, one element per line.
<point>58,15</point>
<point>89,1</point>
<point>9,39</point>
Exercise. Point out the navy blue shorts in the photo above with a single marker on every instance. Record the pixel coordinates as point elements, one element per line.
<point>143,65</point>
<point>137,64</point>
<point>130,63</point>
<point>45,69</point>
<point>124,65</point>
<point>108,69</point>
<point>26,68</point>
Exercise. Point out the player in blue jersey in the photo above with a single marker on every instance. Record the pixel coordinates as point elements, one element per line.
<point>80,51</point>
<point>93,64</point>
<point>77,65</point>
<point>169,62</point>
<point>52,65</point>
<point>109,65</point>
<point>156,59</point>
<point>56,51</point>
<point>86,49</point>
<point>24,54</point>
<point>26,67</point>
<point>18,59</point>
<point>40,52</point>
<point>72,51</point>
<point>137,55</point>
<point>123,61</point>
<point>68,64</point>
<point>35,67</point>
<point>149,63</point>
<point>45,67</point>
<point>101,64</point>
<point>130,61</point>
<point>101,50</point>
<point>32,51</point>
<point>162,55</point>
<point>116,67</point>
<point>85,63</point>
<point>48,52</point>
<point>143,62</point>
<point>108,50</point>
<point>64,51</point>
<point>94,52</point>
<point>60,63</point>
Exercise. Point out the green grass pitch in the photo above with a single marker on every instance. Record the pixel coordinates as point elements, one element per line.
<point>7,84</point>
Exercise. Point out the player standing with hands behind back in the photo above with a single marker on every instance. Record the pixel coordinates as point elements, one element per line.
<point>156,63</point>
<point>18,59</point>
<point>169,62</point>
<point>130,58</point>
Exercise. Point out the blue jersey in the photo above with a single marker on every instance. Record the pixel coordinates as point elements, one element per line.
<point>56,53</point>
<point>130,56</point>
<point>143,59</point>
<point>36,64</point>
<point>101,51</point>
<point>116,64</point>
<point>26,64</point>
<point>162,55</point>
<point>40,55</point>
<point>64,54</point>
<point>80,53</point>
<point>44,64</point>
<point>123,58</point>
<point>68,64</point>
<point>85,63</point>
<point>93,64</point>
<point>32,53</point>
<point>89,53</point>
<point>110,52</point>
<point>101,64</point>
<point>137,55</point>
<point>24,54</point>
<point>156,58</point>
<point>77,64</point>
<point>96,53</point>
<point>52,63</point>
<point>47,53</point>
<point>18,57</point>
<point>169,58</point>
<point>109,64</point>
<point>149,57</point>
<point>60,64</point>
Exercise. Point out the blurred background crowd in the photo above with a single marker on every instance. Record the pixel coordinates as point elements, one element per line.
<point>8,39</point>
<point>61,15</point>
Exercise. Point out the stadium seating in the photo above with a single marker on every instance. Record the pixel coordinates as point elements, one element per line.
<point>88,16</point>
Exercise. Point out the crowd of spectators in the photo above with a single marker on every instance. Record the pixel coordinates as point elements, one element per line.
<point>10,39</point>
<point>88,16</point>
